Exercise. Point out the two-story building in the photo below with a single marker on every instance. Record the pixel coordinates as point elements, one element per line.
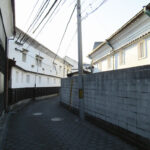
<point>127,47</point>
<point>7,30</point>
<point>32,65</point>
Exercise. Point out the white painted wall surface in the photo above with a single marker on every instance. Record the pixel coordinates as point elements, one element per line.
<point>131,57</point>
<point>48,74</point>
<point>19,79</point>
<point>135,30</point>
<point>7,13</point>
<point>47,66</point>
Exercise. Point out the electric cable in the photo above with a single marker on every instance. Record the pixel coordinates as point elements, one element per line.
<point>94,9</point>
<point>64,33</point>
<point>45,16</point>
<point>45,23</point>
<point>36,19</point>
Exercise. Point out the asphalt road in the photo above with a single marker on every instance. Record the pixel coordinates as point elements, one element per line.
<point>45,125</point>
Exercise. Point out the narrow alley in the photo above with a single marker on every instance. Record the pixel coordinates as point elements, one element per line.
<point>45,125</point>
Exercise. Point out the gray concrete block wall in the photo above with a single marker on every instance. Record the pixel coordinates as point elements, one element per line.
<point>120,97</point>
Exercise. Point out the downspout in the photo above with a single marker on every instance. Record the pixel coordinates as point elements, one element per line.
<point>110,45</point>
<point>146,10</point>
<point>91,66</point>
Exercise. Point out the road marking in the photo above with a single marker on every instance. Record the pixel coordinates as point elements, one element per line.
<point>57,119</point>
<point>37,114</point>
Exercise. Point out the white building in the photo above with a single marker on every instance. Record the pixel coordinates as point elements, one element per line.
<point>7,30</point>
<point>33,64</point>
<point>74,64</point>
<point>127,47</point>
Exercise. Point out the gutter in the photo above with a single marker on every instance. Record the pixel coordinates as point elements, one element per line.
<point>110,45</point>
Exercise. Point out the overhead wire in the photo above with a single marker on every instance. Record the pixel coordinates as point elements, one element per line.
<point>46,22</point>
<point>37,17</point>
<point>40,14</point>
<point>45,16</point>
<point>70,42</point>
<point>29,17</point>
<point>64,32</point>
<point>32,12</point>
<point>94,9</point>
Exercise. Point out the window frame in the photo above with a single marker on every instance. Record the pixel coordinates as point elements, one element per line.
<point>122,57</point>
<point>139,50</point>
<point>109,65</point>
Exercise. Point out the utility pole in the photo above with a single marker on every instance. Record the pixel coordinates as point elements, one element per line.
<point>80,63</point>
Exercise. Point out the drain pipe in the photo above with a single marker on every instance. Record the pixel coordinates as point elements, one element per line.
<point>146,10</point>
<point>110,45</point>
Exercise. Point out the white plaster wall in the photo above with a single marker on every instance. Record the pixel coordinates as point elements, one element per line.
<point>2,34</point>
<point>47,67</point>
<point>19,79</point>
<point>135,30</point>
<point>7,13</point>
<point>131,57</point>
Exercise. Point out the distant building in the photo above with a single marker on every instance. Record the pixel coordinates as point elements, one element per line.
<point>74,64</point>
<point>7,31</point>
<point>127,47</point>
<point>32,65</point>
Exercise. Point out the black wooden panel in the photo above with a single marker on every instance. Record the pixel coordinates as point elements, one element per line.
<point>16,95</point>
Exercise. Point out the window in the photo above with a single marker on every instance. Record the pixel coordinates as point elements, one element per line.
<point>22,77</point>
<point>141,50</point>
<point>100,66</point>
<point>60,67</point>
<point>122,57</point>
<point>109,62</point>
<point>54,80</point>
<point>39,60</point>
<point>28,78</point>
<point>17,76</point>
<point>24,55</point>
<point>39,79</point>
<point>47,80</point>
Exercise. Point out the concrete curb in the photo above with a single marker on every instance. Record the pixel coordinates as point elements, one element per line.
<point>27,101</point>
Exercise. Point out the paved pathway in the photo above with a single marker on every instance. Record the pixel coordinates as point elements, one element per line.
<point>45,125</point>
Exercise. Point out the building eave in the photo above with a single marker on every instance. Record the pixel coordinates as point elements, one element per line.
<point>130,43</point>
<point>118,31</point>
<point>35,42</point>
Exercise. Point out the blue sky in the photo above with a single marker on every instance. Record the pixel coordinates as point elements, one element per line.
<point>96,27</point>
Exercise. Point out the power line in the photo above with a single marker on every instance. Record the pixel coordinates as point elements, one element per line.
<point>64,33</point>
<point>94,9</point>
<point>49,17</point>
<point>38,15</point>
<point>46,22</point>
<point>89,5</point>
<point>70,42</point>
<point>45,15</point>
<point>29,17</point>
<point>32,12</point>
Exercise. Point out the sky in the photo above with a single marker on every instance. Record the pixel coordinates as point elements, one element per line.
<point>97,26</point>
